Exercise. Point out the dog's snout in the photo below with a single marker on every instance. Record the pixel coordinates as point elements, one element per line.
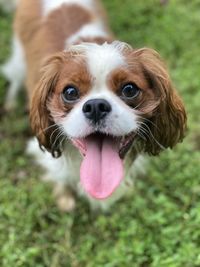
<point>96,109</point>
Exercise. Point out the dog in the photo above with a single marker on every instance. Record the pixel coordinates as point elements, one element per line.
<point>97,105</point>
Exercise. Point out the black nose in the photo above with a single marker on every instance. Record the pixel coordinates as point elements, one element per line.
<point>96,109</point>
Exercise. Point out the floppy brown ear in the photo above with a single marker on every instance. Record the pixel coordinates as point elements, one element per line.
<point>168,123</point>
<point>42,124</point>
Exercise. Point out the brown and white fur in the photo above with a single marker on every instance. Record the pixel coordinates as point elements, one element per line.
<point>61,42</point>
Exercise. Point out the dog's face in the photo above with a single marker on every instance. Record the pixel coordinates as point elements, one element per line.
<point>105,98</point>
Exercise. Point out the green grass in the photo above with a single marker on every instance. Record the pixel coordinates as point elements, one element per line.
<point>159,224</point>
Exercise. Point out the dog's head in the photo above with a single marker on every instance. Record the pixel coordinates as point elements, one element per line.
<point>106,99</point>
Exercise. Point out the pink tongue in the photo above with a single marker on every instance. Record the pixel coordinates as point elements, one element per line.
<point>102,169</point>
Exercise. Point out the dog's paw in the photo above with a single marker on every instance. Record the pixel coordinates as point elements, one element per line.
<point>66,203</point>
<point>64,198</point>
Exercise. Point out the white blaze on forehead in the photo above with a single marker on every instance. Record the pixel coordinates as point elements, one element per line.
<point>102,59</point>
<point>50,5</point>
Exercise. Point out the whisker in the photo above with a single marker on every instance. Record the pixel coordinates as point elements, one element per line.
<point>44,130</point>
<point>61,142</point>
<point>151,123</point>
<point>141,135</point>
<point>51,136</point>
<point>56,139</point>
<point>153,137</point>
<point>145,132</point>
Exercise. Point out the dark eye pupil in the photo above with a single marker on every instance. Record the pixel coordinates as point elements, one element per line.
<point>70,94</point>
<point>130,91</point>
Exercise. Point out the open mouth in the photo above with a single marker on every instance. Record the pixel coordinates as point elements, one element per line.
<point>101,170</point>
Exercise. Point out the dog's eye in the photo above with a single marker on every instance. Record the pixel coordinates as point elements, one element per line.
<point>130,90</point>
<point>70,94</point>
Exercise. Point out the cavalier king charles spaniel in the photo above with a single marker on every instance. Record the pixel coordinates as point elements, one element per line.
<point>96,105</point>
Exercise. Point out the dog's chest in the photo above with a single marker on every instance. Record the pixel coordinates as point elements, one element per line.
<point>73,161</point>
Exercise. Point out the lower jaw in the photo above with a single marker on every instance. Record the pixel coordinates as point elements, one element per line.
<point>102,167</point>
